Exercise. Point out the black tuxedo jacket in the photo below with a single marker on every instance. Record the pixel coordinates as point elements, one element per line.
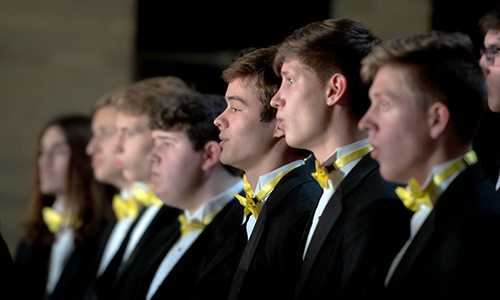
<point>163,221</point>
<point>222,258</point>
<point>135,282</point>
<point>494,175</point>
<point>272,256</point>
<point>363,225</point>
<point>455,254</point>
<point>6,271</point>
<point>31,270</point>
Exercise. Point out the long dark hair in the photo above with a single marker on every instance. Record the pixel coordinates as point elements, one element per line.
<point>90,199</point>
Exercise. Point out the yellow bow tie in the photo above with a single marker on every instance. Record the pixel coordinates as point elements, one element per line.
<point>252,203</point>
<point>55,221</point>
<point>194,225</point>
<point>413,196</point>
<point>147,198</point>
<point>321,174</point>
<point>125,208</point>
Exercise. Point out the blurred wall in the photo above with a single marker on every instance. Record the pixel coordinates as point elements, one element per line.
<point>56,57</point>
<point>59,56</point>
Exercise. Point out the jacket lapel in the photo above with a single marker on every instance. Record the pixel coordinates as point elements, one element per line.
<point>290,180</point>
<point>445,204</point>
<point>333,210</point>
<point>228,237</point>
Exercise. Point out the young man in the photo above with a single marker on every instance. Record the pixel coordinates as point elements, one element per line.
<point>280,193</point>
<point>490,56</point>
<point>358,222</point>
<point>101,149</point>
<point>187,174</point>
<point>489,26</point>
<point>103,142</point>
<point>139,213</point>
<point>427,98</point>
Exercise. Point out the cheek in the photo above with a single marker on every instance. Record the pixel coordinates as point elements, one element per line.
<point>61,164</point>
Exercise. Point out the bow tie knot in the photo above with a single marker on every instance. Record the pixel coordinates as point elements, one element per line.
<point>195,224</point>
<point>56,221</point>
<point>413,196</point>
<point>125,208</point>
<point>321,175</point>
<point>252,205</point>
<point>146,198</point>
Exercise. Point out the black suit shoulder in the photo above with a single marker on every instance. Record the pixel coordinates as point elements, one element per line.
<point>276,242</point>
<point>32,265</point>
<point>456,245</point>
<point>363,226</point>
<point>188,269</point>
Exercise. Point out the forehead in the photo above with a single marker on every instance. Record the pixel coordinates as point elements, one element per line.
<point>128,120</point>
<point>293,66</point>
<point>163,134</point>
<point>53,135</point>
<point>105,115</point>
<point>242,89</point>
<point>391,82</point>
<point>492,37</point>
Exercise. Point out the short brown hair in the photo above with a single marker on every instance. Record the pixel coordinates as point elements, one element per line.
<point>329,47</point>
<point>194,114</point>
<point>490,21</point>
<point>139,97</point>
<point>104,101</point>
<point>258,65</point>
<point>442,67</point>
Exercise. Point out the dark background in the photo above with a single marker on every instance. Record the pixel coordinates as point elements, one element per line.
<point>198,45</point>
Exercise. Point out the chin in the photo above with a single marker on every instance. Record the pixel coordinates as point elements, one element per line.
<point>291,142</point>
<point>225,159</point>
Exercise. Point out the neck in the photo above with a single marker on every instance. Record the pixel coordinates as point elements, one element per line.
<point>121,183</point>
<point>439,155</point>
<point>281,156</point>
<point>215,182</point>
<point>336,137</point>
<point>61,202</point>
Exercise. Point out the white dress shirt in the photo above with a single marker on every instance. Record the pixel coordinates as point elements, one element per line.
<point>142,225</point>
<point>263,180</point>
<point>419,217</point>
<point>335,177</point>
<point>182,245</point>
<point>117,235</point>
<point>61,249</point>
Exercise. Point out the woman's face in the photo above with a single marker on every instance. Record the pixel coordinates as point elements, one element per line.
<point>53,161</point>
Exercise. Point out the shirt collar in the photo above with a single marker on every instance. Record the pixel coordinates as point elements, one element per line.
<point>439,190</point>
<point>266,178</point>
<point>127,194</point>
<point>341,151</point>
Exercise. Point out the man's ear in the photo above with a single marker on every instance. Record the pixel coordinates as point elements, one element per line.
<point>210,155</point>
<point>438,118</point>
<point>336,89</point>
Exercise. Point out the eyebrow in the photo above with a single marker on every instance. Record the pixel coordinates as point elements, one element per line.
<point>55,145</point>
<point>165,137</point>
<point>236,98</point>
